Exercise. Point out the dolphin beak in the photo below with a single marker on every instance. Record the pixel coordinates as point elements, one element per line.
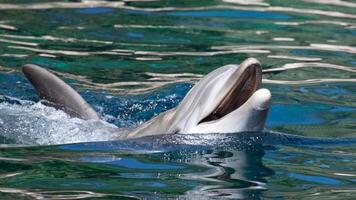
<point>261,99</point>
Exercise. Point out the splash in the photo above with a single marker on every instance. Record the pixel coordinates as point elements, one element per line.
<point>29,123</point>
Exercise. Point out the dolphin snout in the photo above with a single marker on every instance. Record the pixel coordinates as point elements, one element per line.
<point>261,99</point>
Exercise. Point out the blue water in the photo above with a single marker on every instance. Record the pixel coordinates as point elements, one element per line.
<point>133,60</point>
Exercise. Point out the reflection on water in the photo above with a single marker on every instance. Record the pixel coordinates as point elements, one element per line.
<point>135,59</point>
<point>262,165</point>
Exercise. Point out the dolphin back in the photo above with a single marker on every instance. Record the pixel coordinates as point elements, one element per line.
<point>56,93</point>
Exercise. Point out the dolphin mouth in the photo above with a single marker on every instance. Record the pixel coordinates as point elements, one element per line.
<point>244,87</point>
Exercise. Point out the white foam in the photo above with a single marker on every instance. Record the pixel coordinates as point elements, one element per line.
<point>35,124</point>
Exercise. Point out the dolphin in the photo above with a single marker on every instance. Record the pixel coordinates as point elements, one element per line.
<point>227,100</point>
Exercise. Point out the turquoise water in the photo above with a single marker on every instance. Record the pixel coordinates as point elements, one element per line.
<point>132,60</point>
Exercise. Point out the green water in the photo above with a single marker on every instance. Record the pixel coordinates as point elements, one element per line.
<point>135,59</point>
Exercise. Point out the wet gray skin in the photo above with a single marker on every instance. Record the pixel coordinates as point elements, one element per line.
<point>56,93</point>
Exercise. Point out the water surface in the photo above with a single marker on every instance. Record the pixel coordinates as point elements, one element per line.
<point>134,59</point>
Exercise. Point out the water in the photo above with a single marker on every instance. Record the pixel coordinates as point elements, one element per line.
<point>135,59</point>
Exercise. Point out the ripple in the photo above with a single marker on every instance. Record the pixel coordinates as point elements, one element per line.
<point>344,174</point>
<point>152,53</point>
<point>47,55</point>
<point>330,47</point>
<point>18,42</point>
<point>250,2</point>
<point>7,69</point>
<point>12,159</point>
<point>315,179</point>
<point>71,27</point>
<point>131,163</point>
<point>151,84</point>
<point>52,38</point>
<point>333,2</point>
<point>158,80</point>
<point>64,194</point>
<point>7,27</point>
<point>63,52</point>
<point>323,47</point>
<point>195,53</point>
<point>340,23</point>
<point>89,4</point>
<point>147,59</point>
<point>148,26</point>
<point>310,64</point>
<point>284,39</point>
<point>308,81</point>
<point>53,5</point>
<point>261,9</point>
<point>66,52</point>
<point>11,174</point>
<point>294,58</point>
<point>14,55</point>
<point>184,27</point>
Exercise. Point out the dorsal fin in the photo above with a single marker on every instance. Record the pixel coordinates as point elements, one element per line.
<point>57,93</point>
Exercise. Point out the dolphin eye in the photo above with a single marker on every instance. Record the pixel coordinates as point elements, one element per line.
<point>176,131</point>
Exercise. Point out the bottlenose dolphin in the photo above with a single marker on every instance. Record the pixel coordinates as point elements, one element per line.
<point>227,100</point>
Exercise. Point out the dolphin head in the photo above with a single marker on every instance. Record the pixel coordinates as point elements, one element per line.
<point>227,100</point>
